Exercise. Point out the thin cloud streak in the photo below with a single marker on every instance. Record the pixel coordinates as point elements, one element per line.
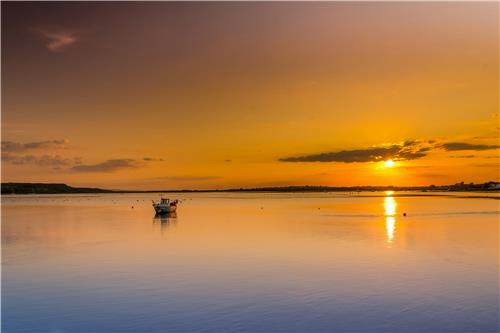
<point>108,166</point>
<point>457,146</point>
<point>17,147</point>
<point>44,160</point>
<point>152,159</point>
<point>57,40</point>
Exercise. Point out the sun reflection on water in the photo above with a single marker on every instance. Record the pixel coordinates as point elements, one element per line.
<point>390,213</point>
<point>390,227</point>
<point>389,206</point>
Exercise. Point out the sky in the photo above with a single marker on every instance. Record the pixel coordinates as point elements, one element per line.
<point>172,95</point>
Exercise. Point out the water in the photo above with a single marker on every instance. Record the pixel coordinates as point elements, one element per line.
<point>250,262</point>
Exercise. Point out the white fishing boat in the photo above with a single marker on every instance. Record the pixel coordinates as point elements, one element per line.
<point>165,206</point>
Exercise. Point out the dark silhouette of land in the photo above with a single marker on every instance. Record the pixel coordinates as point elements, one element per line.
<point>42,188</point>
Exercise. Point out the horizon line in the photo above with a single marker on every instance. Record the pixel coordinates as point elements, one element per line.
<point>264,188</point>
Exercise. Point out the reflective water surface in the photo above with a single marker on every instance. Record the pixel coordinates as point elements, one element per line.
<point>250,262</point>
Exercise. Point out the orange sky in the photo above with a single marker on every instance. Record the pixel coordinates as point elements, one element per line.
<point>216,95</point>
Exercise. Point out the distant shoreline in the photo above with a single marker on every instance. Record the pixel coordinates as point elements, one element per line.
<point>50,188</point>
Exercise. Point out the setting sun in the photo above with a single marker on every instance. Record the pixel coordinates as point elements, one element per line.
<point>389,163</point>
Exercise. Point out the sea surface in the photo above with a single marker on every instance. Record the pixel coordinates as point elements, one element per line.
<point>251,262</point>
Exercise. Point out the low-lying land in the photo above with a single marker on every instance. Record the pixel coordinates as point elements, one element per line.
<point>42,188</point>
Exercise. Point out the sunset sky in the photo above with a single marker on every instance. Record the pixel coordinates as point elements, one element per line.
<point>166,95</point>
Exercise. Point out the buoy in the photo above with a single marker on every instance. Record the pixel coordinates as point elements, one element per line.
<point>404,214</point>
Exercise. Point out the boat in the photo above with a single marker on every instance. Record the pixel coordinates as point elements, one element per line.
<point>165,206</point>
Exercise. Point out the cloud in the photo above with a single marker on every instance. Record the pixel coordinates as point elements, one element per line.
<point>44,160</point>
<point>152,159</point>
<point>39,153</point>
<point>107,166</point>
<point>17,147</point>
<point>410,143</point>
<point>456,146</point>
<point>404,151</point>
<point>407,151</point>
<point>22,153</point>
<point>56,39</point>
<point>463,156</point>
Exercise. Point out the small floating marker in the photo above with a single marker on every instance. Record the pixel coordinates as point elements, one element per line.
<point>404,214</point>
<point>132,207</point>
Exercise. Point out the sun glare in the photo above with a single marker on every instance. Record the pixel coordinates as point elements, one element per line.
<point>389,163</point>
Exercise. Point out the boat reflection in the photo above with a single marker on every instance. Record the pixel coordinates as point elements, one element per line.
<point>164,221</point>
<point>390,206</point>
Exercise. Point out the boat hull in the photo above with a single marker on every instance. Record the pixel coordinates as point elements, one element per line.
<point>164,209</point>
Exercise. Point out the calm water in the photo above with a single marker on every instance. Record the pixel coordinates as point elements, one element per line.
<point>250,262</point>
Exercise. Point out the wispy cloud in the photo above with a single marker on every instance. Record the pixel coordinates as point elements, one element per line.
<point>45,153</point>
<point>108,166</point>
<point>39,153</point>
<point>463,156</point>
<point>152,159</point>
<point>17,147</point>
<point>456,146</point>
<point>56,40</point>
<point>44,160</point>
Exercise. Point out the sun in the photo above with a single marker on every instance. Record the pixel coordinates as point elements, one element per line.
<point>389,163</point>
